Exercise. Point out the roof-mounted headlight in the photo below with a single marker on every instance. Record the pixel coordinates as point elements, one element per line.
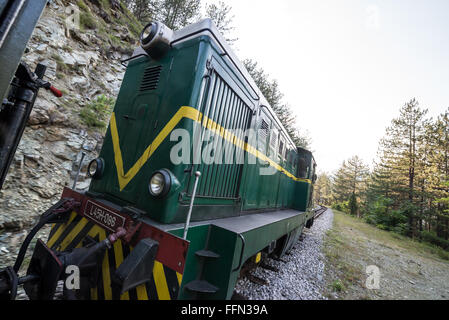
<point>155,39</point>
<point>160,184</point>
<point>96,168</point>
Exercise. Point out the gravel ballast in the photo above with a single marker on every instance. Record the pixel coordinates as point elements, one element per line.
<point>300,276</point>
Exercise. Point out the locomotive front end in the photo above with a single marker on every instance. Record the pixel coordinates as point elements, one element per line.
<point>107,243</point>
<point>196,177</point>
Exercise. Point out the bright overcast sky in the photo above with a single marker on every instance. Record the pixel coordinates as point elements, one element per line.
<point>347,66</point>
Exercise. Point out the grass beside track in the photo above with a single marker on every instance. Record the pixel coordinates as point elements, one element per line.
<point>408,269</point>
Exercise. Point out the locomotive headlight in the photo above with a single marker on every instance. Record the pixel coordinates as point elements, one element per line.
<point>157,184</point>
<point>148,33</point>
<point>95,168</point>
<point>155,39</point>
<point>160,183</point>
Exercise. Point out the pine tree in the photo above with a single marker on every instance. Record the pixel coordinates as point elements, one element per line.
<point>404,137</point>
<point>401,154</point>
<point>143,10</point>
<point>221,16</point>
<point>353,206</point>
<point>177,14</point>
<point>270,90</point>
<point>323,190</point>
<point>341,188</point>
<point>350,183</point>
<point>438,174</point>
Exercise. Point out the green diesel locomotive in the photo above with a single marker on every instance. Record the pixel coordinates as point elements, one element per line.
<point>196,177</point>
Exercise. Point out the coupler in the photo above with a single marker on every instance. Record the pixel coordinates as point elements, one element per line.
<point>154,259</point>
<point>9,279</point>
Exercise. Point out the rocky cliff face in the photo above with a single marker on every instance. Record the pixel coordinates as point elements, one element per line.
<point>84,63</point>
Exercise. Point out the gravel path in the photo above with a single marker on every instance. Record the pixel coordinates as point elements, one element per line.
<point>300,277</point>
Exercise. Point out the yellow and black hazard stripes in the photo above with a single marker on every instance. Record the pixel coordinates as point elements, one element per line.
<point>70,235</point>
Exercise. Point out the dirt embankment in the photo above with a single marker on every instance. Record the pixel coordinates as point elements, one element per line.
<point>358,254</point>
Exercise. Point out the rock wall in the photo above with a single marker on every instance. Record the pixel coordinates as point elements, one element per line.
<point>84,64</point>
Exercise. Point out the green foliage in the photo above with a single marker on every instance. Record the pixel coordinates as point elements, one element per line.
<point>431,237</point>
<point>87,20</point>
<point>96,113</point>
<point>105,5</point>
<point>143,10</point>
<point>350,181</point>
<point>116,42</point>
<point>135,24</point>
<point>82,5</point>
<point>443,254</point>
<point>175,14</point>
<point>407,192</point>
<point>342,206</point>
<point>220,15</point>
<point>353,207</point>
<point>338,286</point>
<point>322,190</point>
<point>382,215</point>
<point>444,200</point>
<point>401,228</point>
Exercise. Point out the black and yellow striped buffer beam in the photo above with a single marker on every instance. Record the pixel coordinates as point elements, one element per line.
<point>164,285</point>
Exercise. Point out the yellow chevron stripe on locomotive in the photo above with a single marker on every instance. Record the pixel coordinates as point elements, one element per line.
<point>195,115</point>
<point>67,236</point>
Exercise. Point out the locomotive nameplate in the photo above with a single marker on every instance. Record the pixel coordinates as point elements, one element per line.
<point>103,216</point>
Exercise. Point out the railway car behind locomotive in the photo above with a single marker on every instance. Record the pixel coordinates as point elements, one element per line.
<point>196,177</point>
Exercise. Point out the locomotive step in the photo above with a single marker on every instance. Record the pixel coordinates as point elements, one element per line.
<point>207,254</point>
<point>201,286</point>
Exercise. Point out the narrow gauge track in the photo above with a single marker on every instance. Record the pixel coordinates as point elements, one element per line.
<point>319,211</point>
<point>250,266</point>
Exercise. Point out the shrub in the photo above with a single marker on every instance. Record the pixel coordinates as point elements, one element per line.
<point>401,228</point>
<point>370,218</point>
<point>87,20</point>
<point>383,227</point>
<point>432,238</point>
<point>338,286</point>
<point>341,206</point>
<point>381,214</point>
<point>96,113</point>
<point>443,254</point>
<point>82,5</point>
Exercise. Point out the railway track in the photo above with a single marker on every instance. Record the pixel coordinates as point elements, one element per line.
<point>319,211</point>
